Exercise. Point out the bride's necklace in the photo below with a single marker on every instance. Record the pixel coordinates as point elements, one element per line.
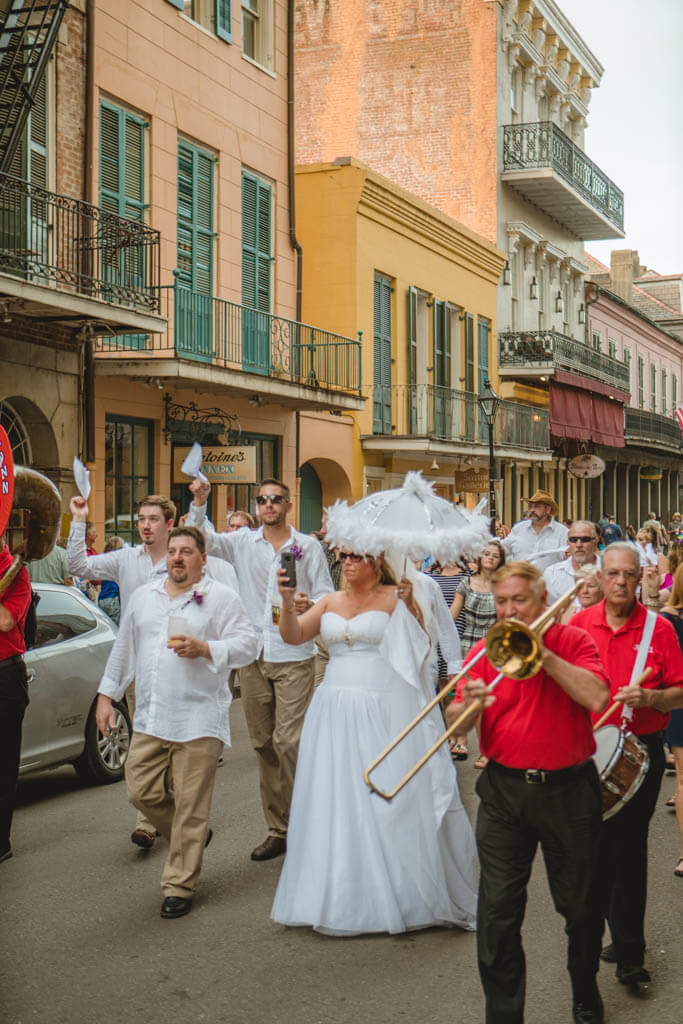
<point>359,605</point>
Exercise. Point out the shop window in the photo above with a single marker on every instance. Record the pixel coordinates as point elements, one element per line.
<point>129,473</point>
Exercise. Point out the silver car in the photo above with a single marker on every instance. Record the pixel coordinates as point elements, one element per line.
<point>64,668</point>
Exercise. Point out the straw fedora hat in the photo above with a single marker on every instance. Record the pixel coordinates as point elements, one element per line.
<point>546,498</point>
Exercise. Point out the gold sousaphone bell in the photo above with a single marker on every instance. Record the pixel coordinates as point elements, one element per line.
<point>514,648</point>
<point>37,495</point>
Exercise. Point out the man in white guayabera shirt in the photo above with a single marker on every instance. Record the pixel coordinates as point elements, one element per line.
<point>540,538</point>
<point>130,568</point>
<point>278,685</point>
<point>180,637</point>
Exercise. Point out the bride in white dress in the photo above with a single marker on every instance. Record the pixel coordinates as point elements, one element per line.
<point>355,863</point>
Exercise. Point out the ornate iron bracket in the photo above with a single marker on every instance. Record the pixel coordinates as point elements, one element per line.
<point>186,424</point>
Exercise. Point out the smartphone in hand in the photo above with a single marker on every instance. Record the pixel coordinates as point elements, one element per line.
<point>288,563</point>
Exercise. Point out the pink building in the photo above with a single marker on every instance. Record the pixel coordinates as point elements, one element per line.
<point>644,475</point>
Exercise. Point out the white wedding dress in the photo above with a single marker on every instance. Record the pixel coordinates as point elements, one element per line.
<point>355,863</point>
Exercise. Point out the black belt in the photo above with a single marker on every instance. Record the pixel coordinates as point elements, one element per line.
<point>539,776</point>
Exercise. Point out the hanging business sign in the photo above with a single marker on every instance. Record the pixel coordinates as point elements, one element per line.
<point>651,473</point>
<point>472,481</point>
<point>222,464</point>
<point>586,467</point>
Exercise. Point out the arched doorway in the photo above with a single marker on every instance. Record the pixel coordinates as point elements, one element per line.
<point>310,499</point>
<point>16,432</point>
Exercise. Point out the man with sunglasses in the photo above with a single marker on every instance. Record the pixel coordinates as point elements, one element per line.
<point>583,552</point>
<point>277,687</point>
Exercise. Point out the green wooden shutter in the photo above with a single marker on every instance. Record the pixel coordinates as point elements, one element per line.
<point>180,4</point>
<point>193,305</point>
<point>653,387</point>
<point>674,392</point>
<point>483,335</point>
<point>412,360</point>
<point>663,394</point>
<point>641,382</point>
<point>256,242</point>
<point>470,402</point>
<point>223,18</point>
<point>381,406</point>
<point>441,344</point>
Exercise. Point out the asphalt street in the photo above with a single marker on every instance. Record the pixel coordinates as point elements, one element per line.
<point>81,940</point>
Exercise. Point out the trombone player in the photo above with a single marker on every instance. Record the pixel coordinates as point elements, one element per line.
<point>540,786</point>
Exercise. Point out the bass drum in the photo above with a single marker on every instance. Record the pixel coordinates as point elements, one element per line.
<point>622,761</point>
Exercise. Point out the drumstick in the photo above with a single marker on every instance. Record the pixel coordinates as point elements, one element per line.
<point>641,679</point>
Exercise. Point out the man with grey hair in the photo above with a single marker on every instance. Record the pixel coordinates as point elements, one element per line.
<point>631,639</point>
<point>583,552</point>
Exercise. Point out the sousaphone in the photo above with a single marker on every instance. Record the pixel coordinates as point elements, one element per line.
<point>26,490</point>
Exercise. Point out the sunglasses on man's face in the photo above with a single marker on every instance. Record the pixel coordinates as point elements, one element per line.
<point>343,555</point>
<point>580,540</point>
<point>274,499</point>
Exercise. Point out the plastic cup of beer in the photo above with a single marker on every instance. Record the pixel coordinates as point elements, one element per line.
<point>177,626</point>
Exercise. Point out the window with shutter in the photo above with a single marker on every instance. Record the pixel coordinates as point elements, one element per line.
<point>214,15</point>
<point>122,194</point>
<point>663,395</point>
<point>412,360</point>
<point>641,382</point>
<point>441,361</point>
<point>257,205</point>
<point>381,403</point>
<point>470,407</point>
<point>194,272</point>
<point>674,392</point>
<point>483,336</point>
<point>653,388</point>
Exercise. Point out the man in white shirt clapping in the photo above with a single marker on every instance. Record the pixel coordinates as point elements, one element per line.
<point>540,538</point>
<point>179,638</point>
<point>277,687</point>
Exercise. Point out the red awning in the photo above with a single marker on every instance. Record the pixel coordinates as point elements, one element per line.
<point>585,416</point>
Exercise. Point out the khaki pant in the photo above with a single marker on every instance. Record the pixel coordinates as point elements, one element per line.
<point>321,661</point>
<point>275,697</point>
<point>141,822</point>
<point>172,783</point>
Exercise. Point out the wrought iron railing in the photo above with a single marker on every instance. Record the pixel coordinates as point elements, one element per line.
<point>543,144</point>
<point>55,240</point>
<point>548,349</point>
<point>210,330</point>
<point>642,425</point>
<point>425,410</point>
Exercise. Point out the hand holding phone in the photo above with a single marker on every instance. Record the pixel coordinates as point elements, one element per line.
<point>288,563</point>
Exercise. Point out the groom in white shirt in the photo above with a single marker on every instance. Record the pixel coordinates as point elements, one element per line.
<point>183,701</point>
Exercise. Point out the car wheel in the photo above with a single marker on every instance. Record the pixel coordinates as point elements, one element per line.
<point>104,757</point>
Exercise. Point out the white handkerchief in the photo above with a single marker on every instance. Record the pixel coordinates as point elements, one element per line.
<point>82,478</point>
<point>192,465</point>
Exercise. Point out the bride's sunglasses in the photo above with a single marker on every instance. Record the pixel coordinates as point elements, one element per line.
<point>343,555</point>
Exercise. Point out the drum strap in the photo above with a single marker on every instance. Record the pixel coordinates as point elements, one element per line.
<point>641,658</point>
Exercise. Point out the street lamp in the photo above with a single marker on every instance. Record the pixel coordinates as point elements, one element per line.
<point>488,402</point>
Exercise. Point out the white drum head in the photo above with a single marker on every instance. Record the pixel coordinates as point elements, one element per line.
<point>608,743</point>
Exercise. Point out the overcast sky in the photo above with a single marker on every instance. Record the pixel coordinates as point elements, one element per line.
<point>635,120</point>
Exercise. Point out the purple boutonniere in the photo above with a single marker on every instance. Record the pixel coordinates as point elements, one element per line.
<point>297,551</point>
<point>196,598</point>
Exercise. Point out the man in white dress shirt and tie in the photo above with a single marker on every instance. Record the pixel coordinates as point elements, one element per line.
<point>583,552</point>
<point>278,685</point>
<point>179,638</point>
<point>541,532</point>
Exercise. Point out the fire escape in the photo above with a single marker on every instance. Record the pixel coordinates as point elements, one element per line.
<point>27,38</point>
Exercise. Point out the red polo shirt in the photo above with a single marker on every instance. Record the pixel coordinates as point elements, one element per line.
<point>618,653</point>
<point>16,600</point>
<point>533,723</point>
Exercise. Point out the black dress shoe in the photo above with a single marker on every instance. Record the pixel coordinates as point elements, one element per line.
<point>583,1014</point>
<point>608,954</point>
<point>634,976</point>
<point>272,846</point>
<point>176,906</point>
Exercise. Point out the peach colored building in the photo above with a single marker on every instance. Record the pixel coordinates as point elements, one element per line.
<point>170,118</point>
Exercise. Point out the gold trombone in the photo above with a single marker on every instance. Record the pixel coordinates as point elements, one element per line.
<point>514,648</point>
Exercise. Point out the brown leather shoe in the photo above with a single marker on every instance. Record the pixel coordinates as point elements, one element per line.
<point>272,846</point>
<point>142,838</point>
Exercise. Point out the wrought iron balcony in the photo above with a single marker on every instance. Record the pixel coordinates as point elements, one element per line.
<point>652,429</point>
<point>525,354</point>
<point>64,244</point>
<point>550,170</point>
<point>425,410</point>
<point>204,329</point>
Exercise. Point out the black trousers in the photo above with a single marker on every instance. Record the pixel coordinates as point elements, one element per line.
<point>13,702</point>
<point>622,872</point>
<point>514,817</point>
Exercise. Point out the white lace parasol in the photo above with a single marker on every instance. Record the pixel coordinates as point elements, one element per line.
<point>411,520</point>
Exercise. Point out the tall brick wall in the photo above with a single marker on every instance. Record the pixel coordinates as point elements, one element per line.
<point>70,102</point>
<point>409,88</point>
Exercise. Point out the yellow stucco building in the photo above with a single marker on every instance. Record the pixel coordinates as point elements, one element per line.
<point>422,290</point>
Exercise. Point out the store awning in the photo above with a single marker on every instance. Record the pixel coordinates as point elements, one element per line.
<point>586,416</point>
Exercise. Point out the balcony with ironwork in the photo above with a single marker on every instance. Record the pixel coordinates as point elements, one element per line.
<point>552,172</point>
<point>66,261</point>
<point>529,355</point>
<point>221,344</point>
<point>645,429</point>
<point>407,418</point>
